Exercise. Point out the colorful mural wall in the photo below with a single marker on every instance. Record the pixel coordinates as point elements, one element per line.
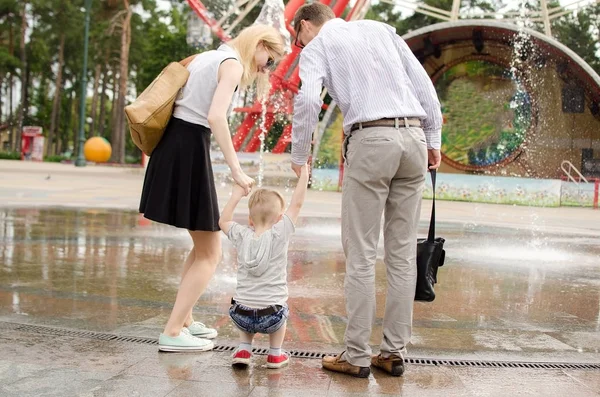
<point>487,114</point>
<point>491,189</point>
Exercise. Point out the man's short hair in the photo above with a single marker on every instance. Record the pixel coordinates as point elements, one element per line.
<point>317,13</point>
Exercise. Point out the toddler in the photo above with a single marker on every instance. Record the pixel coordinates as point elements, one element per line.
<point>260,301</point>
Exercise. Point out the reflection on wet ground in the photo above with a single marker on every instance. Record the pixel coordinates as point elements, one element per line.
<point>501,290</point>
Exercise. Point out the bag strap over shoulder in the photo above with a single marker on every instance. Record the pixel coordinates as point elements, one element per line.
<point>431,236</point>
<point>185,62</point>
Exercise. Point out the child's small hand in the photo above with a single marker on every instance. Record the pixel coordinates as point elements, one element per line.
<point>238,191</point>
<point>305,169</point>
<point>304,173</point>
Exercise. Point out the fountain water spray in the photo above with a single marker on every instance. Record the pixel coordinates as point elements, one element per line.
<point>263,132</point>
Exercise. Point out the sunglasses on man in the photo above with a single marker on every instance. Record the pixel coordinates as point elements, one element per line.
<point>298,43</point>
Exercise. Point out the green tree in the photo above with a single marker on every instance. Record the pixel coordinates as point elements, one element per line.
<point>579,32</point>
<point>9,61</point>
<point>166,43</point>
<point>23,72</point>
<point>331,143</point>
<point>57,29</point>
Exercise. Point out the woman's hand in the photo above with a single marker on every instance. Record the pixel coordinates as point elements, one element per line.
<point>243,180</point>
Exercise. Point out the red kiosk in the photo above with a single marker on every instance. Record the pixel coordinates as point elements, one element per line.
<point>32,144</point>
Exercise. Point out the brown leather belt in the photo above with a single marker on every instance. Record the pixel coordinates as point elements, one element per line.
<point>397,122</point>
<point>256,312</point>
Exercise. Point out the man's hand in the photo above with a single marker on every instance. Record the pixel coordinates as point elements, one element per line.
<point>434,159</point>
<point>297,169</point>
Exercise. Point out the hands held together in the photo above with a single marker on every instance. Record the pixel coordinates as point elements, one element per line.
<point>300,169</point>
<point>243,183</point>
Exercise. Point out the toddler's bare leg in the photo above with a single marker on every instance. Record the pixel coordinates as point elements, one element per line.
<point>246,337</point>
<point>276,338</point>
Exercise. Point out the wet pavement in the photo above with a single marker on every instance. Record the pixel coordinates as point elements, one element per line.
<point>31,365</point>
<point>501,290</point>
<point>519,284</point>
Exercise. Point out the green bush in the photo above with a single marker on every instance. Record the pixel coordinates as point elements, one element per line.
<point>133,159</point>
<point>274,134</point>
<point>10,156</point>
<point>56,158</point>
<point>331,144</point>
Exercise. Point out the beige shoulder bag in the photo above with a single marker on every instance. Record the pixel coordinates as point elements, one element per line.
<point>149,114</point>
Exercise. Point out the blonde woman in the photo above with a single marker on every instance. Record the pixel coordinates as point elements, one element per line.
<point>179,188</point>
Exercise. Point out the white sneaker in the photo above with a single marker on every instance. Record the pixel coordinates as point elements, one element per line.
<point>183,342</point>
<point>201,331</point>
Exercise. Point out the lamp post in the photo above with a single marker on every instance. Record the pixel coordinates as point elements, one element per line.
<point>80,162</point>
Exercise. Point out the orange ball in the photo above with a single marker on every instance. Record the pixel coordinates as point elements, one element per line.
<point>97,149</point>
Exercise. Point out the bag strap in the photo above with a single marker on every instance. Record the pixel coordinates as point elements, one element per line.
<point>431,236</point>
<point>185,62</point>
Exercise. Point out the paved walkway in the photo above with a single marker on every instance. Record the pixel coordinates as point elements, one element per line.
<point>26,184</point>
<point>37,364</point>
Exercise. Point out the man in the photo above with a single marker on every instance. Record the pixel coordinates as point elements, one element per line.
<point>386,97</point>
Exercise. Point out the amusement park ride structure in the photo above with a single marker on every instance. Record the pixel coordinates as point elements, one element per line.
<point>285,79</point>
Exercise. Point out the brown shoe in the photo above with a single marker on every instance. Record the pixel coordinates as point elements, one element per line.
<point>393,365</point>
<point>337,364</point>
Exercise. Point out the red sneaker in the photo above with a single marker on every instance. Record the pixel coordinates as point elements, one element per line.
<point>278,361</point>
<point>241,358</point>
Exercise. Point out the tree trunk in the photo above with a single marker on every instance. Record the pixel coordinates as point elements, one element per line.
<point>102,115</point>
<point>24,108</point>
<point>11,131</point>
<point>57,97</point>
<point>74,127</point>
<point>67,123</point>
<point>113,115</point>
<point>95,99</point>
<point>119,147</point>
<point>11,51</point>
<point>1,97</point>
<point>24,73</point>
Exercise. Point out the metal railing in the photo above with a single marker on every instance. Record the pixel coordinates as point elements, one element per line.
<point>568,167</point>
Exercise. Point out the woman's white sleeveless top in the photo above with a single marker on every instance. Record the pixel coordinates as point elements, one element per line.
<point>196,96</point>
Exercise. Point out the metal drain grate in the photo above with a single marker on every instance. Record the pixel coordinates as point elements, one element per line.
<point>46,330</point>
<point>502,364</point>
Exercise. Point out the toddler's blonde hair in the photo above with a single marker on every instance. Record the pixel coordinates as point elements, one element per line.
<point>265,206</point>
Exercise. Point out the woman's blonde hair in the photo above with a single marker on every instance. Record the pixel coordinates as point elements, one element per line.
<point>245,44</point>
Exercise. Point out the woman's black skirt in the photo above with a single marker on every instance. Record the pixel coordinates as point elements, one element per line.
<point>179,187</point>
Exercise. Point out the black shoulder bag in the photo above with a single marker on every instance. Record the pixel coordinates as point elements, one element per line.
<point>430,256</point>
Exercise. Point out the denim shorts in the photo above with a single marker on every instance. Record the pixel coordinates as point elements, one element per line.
<point>259,324</point>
